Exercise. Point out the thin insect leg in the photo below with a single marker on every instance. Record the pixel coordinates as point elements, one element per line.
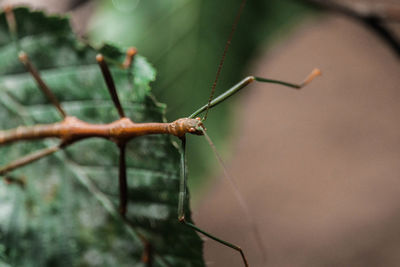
<point>246,81</point>
<point>314,73</point>
<point>12,25</point>
<point>110,84</point>
<point>147,256</point>
<point>10,18</point>
<point>148,250</point>
<point>15,180</point>
<point>123,190</point>
<point>29,158</point>
<point>23,57</point>
<point>130,54</point>
<point>181,208</point>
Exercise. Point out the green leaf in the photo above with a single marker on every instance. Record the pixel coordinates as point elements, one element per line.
<point>65,213</point>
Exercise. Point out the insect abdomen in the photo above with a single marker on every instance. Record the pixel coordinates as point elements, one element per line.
<point>29,133</point>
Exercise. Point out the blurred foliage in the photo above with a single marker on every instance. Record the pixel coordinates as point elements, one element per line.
<point>184,39</point>
<point>62,211</point>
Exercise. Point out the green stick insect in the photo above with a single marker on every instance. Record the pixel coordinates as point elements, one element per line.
<point>71,130</point>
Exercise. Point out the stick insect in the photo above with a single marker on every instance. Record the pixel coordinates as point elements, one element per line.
<point>71,130</point>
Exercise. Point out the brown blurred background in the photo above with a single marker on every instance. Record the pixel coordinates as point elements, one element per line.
<point>320,167</point>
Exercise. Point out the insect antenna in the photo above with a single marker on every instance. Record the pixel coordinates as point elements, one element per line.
<point>239,197</point>
<point>110,83</point>
<point>23,57</point>
<point>221,62</point>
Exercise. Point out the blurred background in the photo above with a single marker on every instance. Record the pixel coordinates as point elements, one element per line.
<point>320,167</point>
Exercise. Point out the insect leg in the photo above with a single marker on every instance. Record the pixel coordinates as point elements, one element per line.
<point>123,186</point>
<point>23,57</point>
<point>181,204</point>
<point>20,181</point>
<point>130,54</point>
<point>147,256</point>
<point>110,84</point>
<point>246,81</point>
<point>123,190</point>
<point>12,25</point>
<point>29,158</point>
